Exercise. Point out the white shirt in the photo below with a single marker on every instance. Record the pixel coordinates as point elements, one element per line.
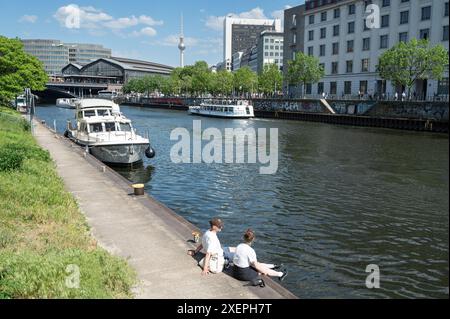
<point>211,243</point>
<point>244,256</point>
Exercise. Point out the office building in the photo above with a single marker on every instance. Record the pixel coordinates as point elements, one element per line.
<point>270,50</point>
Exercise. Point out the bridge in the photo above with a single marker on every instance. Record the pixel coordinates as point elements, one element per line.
<point>56,90</point>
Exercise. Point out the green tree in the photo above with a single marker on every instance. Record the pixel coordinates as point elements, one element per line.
<point>221,83</point>
<point>18,70</point>
<point>408,62</point>
<point>201,78</point>
<point>270,80</point>
<point>245,80</point>
<point>304,69</point>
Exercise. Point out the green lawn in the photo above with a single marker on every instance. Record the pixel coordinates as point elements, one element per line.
<point>44,238</point>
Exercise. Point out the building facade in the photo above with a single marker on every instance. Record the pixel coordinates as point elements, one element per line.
<point>336,32</point>
<point>52,53</point>
<point>55,55</point>
<point>112,71</point>
<point>242,34</point>
<point>270,49</point>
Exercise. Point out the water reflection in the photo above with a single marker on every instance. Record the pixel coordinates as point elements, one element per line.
<point>138,174</point>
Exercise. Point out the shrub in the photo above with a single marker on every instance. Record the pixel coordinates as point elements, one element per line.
<point>10,159</point>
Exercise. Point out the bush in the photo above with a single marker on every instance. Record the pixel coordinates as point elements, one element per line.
<point>10,159</point>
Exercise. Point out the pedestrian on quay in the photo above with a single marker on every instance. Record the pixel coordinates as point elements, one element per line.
<point>246,266</point>
<point>216,258</point>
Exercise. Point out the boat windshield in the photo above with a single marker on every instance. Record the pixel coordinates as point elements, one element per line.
<point>125,127</point>
<point>89,113</point>
<point>103,112</point>
<point>110,127</point>
<point>96,128</point>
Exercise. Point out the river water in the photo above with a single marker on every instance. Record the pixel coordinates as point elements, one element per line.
<point>343,198</point>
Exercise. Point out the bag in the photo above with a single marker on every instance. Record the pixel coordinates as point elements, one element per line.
<point>216,263</point>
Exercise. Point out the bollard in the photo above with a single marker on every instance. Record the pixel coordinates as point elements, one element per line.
<point>138,189</point>
<point>103,169</point>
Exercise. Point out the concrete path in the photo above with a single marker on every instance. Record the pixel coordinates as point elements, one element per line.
<point>152,237</point>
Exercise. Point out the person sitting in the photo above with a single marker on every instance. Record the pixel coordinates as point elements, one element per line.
<point>246,266</point>
<point>215,257</point>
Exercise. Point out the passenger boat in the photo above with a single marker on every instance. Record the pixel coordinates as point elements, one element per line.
<point>67,103</point>
<point>237,109</point>
<point>107,133</point>
<point>109,95</point>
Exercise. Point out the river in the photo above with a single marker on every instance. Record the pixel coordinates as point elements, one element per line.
<point>343,198</point>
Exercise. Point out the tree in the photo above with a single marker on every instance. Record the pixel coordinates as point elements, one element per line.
<point>270,80</point>
<point>245,80</point>
<point>18,70</point>
<point>201,78</point>
<point>304,69</point>
<point>408,62</point>
<point>221,83</point>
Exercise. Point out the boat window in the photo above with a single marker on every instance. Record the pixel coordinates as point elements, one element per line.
<point>89,113</point>
<point>80,115</point>
<point>125,127</point>
<point>248,110</point>
<point>95,128</point>
<point>103,112</point>
<point>110,127</point>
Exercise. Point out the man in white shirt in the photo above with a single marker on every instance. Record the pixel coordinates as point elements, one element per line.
<point>212,249</point>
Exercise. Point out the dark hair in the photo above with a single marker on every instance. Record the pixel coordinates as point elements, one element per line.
<point>216,222</point>
<point>249,236</point>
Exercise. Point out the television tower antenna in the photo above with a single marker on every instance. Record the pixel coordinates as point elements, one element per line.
<point>181,45</point>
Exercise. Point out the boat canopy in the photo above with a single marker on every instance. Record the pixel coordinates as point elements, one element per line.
<point>97,103</point>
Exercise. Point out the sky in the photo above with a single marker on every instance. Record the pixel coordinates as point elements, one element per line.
<point>147,30</point>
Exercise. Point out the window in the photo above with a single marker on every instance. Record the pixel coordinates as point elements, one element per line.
<point>334,68</point>
<point>384,41</point>
<point>89,113</point>
<point>110,127</point>
<point>385,21</point>
<point>351,9</point>
<point>323,33</point>
<point>386,3</point>
<point>445,36</point>
<point>349,66</point>
<point>95,128</point>
<point>366,44</point>
<point>336,30</point>
<point>351,27</point>
<point>363,87</point>
<point>310,50</point>
<point>365,65</point>
<point>350,45</point>
<point>404,17</point>
<point>311,35</point>
<point>424,34</point>
<point>403,37</point>
<point>311,19</point>
<point>322,50</point>
<point>323,16</point>
<point>446,9</point>
<point>294,39</point>
<point>443,86</point>
<point>320,88</point>
<point>335,48</point>
<point>308,88</point>
<point>333,88</point>
<point>337,13</point>
<point>426,13</point>
<point>294,20</point>
<point>348,87</point>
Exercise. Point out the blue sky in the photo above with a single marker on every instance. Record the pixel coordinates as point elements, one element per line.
<point>146,30</point>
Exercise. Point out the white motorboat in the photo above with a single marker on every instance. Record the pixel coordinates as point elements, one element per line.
<point>109,95</point>
<point>236,109</point>
<point>66,103</point>
<point>107,133</point>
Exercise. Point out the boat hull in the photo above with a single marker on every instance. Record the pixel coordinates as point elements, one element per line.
<point>223,116</point>
<point>124,154</point>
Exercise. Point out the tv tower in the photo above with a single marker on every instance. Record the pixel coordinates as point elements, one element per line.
<point>181,45</point>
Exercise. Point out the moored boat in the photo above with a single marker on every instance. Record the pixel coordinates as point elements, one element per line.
<point>236,109</point>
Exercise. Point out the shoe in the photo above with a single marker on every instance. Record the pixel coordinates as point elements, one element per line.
<point>278,266</point>
<point>285,273</point>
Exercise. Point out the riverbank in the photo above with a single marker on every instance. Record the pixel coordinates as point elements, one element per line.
<point>44,238</point>
<point>412,116</point>
<point>152,237</point>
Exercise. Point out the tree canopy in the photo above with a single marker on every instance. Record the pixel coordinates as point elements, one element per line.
<point>18,70</point>
<point>304,69</point>
<point>407,62</point>
<point>270,80</point>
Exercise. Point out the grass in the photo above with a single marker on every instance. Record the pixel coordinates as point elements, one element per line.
<point>43,233</point>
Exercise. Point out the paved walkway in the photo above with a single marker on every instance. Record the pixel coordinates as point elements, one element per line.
<point>152,237</point>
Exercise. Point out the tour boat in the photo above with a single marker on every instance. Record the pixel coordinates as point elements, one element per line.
<point>237,109</point>
<point>107,133</point>
<point>67,103</point>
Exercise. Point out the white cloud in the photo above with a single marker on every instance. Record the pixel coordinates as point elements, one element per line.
<point>28,19</point>
<point>75,17</point>
<point>147,31</point>
<point>216,22</point>
<point>173,40</point>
